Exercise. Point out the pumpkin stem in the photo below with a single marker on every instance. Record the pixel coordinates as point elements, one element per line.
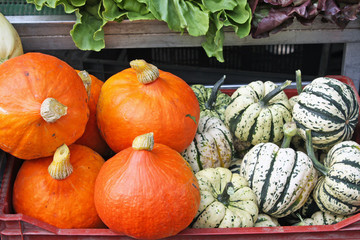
<point>60,168</point>
<point>310,152</point>
<point>144,142</point>
<point>290,130</point>
<point>225,195</point>
<point>214,93</point>
<point>275,92</point>
<point>51,110</point>
<point>298,81</point>
<point>86,79</point>
<point>145,72</point>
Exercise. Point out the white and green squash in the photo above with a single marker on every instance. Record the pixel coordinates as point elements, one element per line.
<point>212,101</point>
<point>329,108</point>
<point>211,147</point>
<point>258,111</point>
<point>281,177</point>
<point>10,42</point>
<point>226,200</point>
<point>265,220</point>
<point>321,218</point>
<point>235,165</point>
<point>338,189</point>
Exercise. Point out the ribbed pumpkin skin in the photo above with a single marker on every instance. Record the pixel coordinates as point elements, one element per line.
<point>212,145</point>
<point>281,178</point>
<point>250,120</point>
<point>338,192</point>
<point>25,82</point>
<point>67,203</point>
<point>147,194</point>
<point>92,136</point>
<point>328,108</point>
<point>128,108</point>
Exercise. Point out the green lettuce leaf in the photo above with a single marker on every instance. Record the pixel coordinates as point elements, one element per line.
<point>199,18</point>
<point>213,44</point>
<point>180,15</point>
<point>239,18</point>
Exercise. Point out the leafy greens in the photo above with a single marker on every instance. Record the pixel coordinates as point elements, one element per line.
<point>197,17</point>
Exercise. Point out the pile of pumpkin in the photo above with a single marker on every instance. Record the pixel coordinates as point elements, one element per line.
<point>147,155</point>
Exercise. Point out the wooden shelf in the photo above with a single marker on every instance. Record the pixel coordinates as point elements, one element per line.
<point>53,33</point>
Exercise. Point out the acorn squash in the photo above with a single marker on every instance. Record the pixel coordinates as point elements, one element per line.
<point>281,178</point>
<point>258,111</point>
<point>226,200</point>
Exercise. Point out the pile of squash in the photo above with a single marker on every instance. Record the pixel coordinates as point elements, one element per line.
<point>147,155</point>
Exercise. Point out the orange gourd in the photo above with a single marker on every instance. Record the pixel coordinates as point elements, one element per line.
<point>147,191</point>
<point>43,104</point>
<point>60,190</point>
<point>144,99</point>
<point>92,137</point>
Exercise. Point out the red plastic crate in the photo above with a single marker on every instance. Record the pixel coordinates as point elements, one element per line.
<point>19,226</point>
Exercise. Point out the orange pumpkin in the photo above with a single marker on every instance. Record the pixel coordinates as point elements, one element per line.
<point>144,99</point>
<point>147,191</point>
<point>60,190</point>
<point>92,137</point>
<point>43,104</point>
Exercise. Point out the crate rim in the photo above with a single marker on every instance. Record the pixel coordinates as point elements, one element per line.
<point>45,229</point>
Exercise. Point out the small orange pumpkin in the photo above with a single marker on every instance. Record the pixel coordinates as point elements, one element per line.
<point>60,190</point>
<point>92,136</point>
<point>43,104</point>
<point>147,191</point>
<point>144,99</point>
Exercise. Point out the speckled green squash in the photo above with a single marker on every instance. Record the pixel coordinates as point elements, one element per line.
<point>265,220</point>
<point>309,208</point>
<point>226,200</point>
<point>212,101</point>
<point>329,108</point>
<point>281,177</point>
<point>258,111</point>
<point>212,145</point>
<point>321,218</point>
<point>235,165</point>
<point>338,189</point>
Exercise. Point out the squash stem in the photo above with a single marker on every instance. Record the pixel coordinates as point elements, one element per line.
<point>51,110</point>
<point>310,152</point>
<point>214,93</point>
<point>225,195</point>
<point>275,92</point>
<point>298,81</point>
<point>290,131</point>
<point>60,168</point>
<point>86,79</point>
<point>145,72</point>
<point>144,142</point>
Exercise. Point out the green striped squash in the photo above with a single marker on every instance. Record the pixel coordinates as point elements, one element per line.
<point>212,101</point>
<point>281,177</point>
<point>211,147</point>
<point>309,208</point>
<point>265,220</point>
<point>226,200</point>
<point>258,111</point>
<point>321,218</point>
<point>329,108</point>
<point>338,189</point>
<point>235,165</point>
